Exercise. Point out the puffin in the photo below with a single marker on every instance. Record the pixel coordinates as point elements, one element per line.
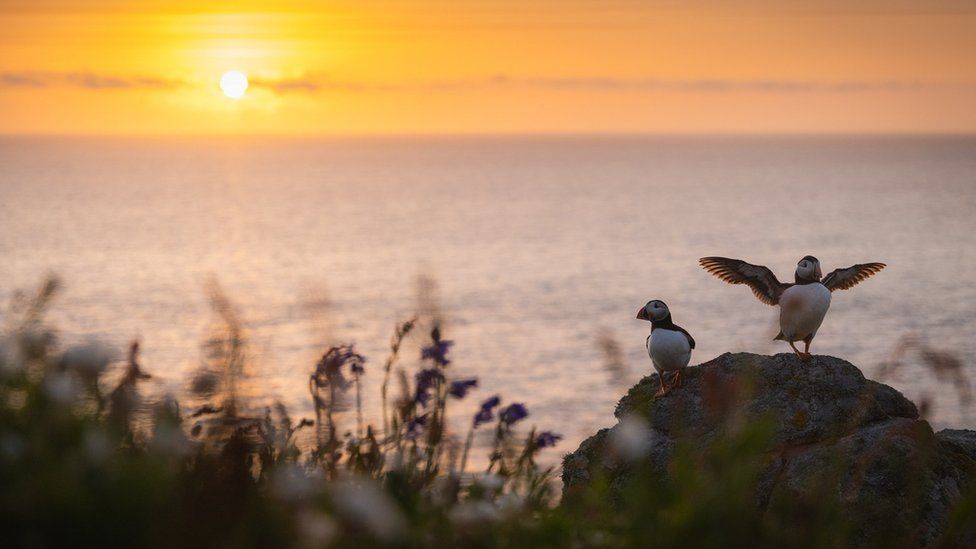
<point>802,304</point>
<point>669,345</point>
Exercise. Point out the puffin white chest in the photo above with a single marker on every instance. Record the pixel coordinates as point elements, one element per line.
<point>669,349</point>
<point>802,310</point>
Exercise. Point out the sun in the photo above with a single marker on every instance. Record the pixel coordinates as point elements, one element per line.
<point>233,84</point>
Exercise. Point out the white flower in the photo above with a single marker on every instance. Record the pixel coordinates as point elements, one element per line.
<point>88,359</point>
<point>444,490</point>
<point>510,505</point>
<point>317,529</point>
<point>632,438</point>
<point>367,505</point>
<point>292,483</point>
<point>470,513</point>
<point>62,388</point>
<point>490,482</point>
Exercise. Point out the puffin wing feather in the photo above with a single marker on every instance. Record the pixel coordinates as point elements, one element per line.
<point>691,340</point>
<point>842,279</point>
<point>763,282</point>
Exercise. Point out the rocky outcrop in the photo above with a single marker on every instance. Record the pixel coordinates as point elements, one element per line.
<point>828,431</point>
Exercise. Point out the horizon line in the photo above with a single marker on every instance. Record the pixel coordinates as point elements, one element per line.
<point>490,134</point>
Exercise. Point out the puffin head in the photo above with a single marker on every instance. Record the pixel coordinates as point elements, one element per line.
<point>654,311</point>
<point>808,268</point>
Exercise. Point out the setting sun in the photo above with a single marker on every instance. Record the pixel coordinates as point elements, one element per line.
<point>233,84</point>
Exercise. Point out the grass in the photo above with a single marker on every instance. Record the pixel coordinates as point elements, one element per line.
<point>86,464</point>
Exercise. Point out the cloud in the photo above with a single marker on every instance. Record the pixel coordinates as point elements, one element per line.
<point>85,80</point>
<point>313,83</point>
<point>724,85</point>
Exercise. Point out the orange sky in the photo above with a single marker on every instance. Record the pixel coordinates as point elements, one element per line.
<point>456,66</point>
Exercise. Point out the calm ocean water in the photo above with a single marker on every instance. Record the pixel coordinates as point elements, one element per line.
<point>537,245</point>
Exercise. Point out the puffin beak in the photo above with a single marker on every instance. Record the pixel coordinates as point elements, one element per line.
<point>642,314</point>
<point>818,272</point>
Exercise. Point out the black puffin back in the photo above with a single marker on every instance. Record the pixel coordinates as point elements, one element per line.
<point>667,324</point>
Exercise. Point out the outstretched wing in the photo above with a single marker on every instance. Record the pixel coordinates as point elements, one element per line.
<point>734,271</point>
<point>842,279</point>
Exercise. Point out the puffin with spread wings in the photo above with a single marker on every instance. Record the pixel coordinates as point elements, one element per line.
<point>802,304</point>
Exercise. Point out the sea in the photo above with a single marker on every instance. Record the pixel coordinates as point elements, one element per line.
<point>534,253</point>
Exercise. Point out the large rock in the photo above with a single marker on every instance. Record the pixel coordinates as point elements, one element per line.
<point>827,426</point>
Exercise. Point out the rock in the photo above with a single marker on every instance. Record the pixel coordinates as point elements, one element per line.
<point>829,429</point>
<point>961,441</point>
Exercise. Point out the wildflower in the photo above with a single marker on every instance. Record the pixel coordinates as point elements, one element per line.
<point>510,505</point>
<point>366,505</point>
<point>485,414</point>
<point>89,359</point>
<point>444,490</point>
<point>124,399</point>
<point>490,482</point>
<point>292,483</point>
<point>473,513</point>
<point>328,371</point>
<point>61,388</point>
<point>513,413</point>
<point>316,529</point>
<point>459,389</point>
<point>437,352</point>
<point>414,426</point>
<point>547,439</point>
<point>426,380</point>
<point>168,438</point>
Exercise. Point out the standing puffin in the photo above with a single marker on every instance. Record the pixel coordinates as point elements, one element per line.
<point>803,304</point>
<point>669,345</point>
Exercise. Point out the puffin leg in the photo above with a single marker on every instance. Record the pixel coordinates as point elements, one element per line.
<point>806,345</point>
<point>664,386</point>
<point>678,381</point>
<point>803,356</point>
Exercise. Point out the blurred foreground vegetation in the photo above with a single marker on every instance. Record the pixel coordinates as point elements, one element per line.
<point>86,461</point>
